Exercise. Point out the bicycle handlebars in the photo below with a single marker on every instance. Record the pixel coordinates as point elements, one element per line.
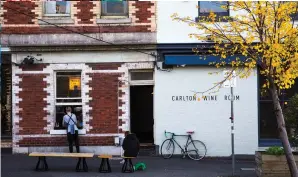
<point>168,133</point>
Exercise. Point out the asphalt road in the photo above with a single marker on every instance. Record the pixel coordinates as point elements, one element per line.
<point>22,165</point>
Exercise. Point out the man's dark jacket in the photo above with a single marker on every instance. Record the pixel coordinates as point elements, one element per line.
<point>131,145</point>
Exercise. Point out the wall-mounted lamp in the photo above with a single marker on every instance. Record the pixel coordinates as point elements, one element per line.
<point>30,60</point>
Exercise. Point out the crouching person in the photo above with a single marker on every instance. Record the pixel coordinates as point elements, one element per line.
<point>130,145</point>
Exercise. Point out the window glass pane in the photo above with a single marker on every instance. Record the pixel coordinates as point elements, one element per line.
<point>291,92</point>
<point>141,75</point>
<point>268,123</point>
<point>68,84</point>
<point>214,6</point>
<point>50,7</point>
<point>57,7</point>
<point>284,95</point>
<point>60,112</point>
<point>114,7</point>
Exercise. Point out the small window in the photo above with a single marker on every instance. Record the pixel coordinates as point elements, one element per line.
<point>57,8</point>
<point>141,76</point>
<point>68,93</point>
<point>114,8</point>
<point>205,7</point>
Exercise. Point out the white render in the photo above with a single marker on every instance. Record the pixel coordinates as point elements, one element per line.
<point>169,31</point>
<point>86,56</point>
<point>209,119</point>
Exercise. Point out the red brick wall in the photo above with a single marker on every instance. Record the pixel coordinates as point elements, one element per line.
<point>84,13</point>
<point>143,13</point>
<point>35,67</point>
<point>32,104</point>
<point>105,66</point>
<point>12,17</point>
<point>104,105</point>
<point>83,16</point>
<point>62,141</point>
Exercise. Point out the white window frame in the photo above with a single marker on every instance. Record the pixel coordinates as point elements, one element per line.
<point>110,15</point>
<point>141,82</point>
<point>56,15</point>
<point>59,132</point>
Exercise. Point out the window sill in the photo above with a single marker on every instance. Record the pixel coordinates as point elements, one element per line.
<point>56,20</point>
<point>63,132</point>
<point>110,20</point>
<point>220,18</point>
<point>56,15</point>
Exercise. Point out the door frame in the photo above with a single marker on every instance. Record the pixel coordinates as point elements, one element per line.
<point>140,83</point>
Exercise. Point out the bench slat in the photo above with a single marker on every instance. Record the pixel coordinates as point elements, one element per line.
<point>56,154</point>
<point>105,156</point>
<point>128,157</point>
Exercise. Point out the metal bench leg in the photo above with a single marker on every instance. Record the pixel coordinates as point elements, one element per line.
<point>124,166</point>
<point>82,165</point>
<point>44,164</point>
<point>131,166</point>
<point>78,168</point>
<point>85,166</point>
<point>37,165</point>
<point>127,166</point>
<point>105,166</point>
<point>109,167</point>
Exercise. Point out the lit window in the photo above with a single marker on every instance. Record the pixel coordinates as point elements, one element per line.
<point>57,7</point>
<point>114,8</point>
<point>68,93</point>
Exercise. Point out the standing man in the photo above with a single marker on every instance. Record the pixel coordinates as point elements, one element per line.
<point>70,122</point>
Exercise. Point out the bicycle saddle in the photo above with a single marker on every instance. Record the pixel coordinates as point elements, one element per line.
<point>190,132</point>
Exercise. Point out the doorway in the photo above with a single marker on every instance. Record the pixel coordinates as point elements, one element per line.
<point>141,112</point>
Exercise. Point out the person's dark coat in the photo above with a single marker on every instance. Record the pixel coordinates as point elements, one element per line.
<point>131,145</point>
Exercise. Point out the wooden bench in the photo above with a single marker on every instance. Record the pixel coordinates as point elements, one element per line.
<point>105,164</point>
<point>42,158</point>
<point>127,166</point>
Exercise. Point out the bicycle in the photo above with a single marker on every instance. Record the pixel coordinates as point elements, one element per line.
<point>195,149</point>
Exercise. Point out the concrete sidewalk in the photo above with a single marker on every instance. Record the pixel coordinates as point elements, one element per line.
<point>22,165</point>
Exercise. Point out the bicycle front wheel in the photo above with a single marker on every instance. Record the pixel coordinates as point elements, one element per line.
<point>196,150</point>
<point>167,148</point>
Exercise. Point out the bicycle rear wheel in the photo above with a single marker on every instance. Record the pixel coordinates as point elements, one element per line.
<point>196,150</point>
<point>167,148</point>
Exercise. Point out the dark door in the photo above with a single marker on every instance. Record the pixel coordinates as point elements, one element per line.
<point>141,112</point>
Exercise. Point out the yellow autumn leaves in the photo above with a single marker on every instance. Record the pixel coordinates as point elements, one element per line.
<point>262,31</point>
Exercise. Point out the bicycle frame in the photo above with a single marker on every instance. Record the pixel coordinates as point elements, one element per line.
<point>189,139</point>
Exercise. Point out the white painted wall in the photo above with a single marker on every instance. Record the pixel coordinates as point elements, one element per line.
<point>86,57</point>
<point>209,119</point>
<point>169,31</point>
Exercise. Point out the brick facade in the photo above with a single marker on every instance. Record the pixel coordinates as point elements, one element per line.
<point>62,141</point>
<point>32,104</point>
<point>12,18</point>
<point>104,102</point>
<point>141,7</point>
<point>83,13</point>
